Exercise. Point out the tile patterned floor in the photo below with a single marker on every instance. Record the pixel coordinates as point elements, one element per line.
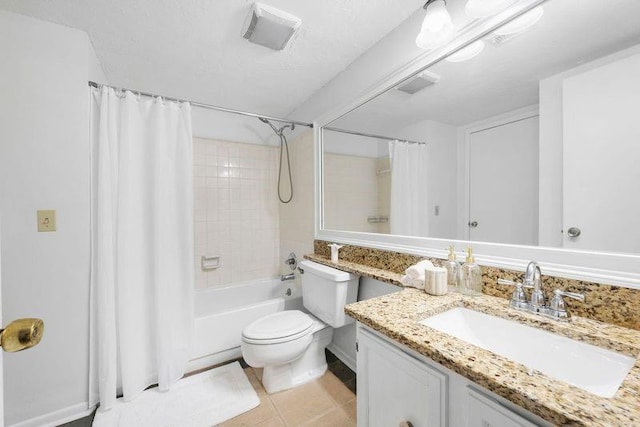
<point>327,401</point>
<point>323,402</point>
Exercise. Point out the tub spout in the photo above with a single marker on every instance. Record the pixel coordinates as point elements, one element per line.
<point>286,277</point>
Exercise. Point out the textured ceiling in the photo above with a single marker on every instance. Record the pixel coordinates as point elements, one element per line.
<point>193,49</point>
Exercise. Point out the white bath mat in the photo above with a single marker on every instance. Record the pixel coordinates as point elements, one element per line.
<point>201,400</point>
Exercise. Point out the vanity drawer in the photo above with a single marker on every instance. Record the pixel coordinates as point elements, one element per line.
<point>486,412</point>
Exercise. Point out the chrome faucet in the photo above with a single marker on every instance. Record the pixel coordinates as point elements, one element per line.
<point>556,309</point>
<point>286,277</point>
<point>533,278</point>
<point>292,262</point>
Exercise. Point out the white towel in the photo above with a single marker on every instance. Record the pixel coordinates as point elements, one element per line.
<point>410,282</point>
<point>417,270</point>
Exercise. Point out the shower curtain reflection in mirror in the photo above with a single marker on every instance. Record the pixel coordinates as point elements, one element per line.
<point>409,199</point>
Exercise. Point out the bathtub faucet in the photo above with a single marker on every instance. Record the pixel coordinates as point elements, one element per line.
<point>286,277</point>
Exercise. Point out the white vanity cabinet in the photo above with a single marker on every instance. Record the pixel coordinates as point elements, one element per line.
<point>393,387</point>
<point>397,385</point>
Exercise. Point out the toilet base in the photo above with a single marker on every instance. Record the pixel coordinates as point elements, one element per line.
<point>310,366</point>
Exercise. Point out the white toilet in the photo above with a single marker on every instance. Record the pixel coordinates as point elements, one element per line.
<point>290,345</point>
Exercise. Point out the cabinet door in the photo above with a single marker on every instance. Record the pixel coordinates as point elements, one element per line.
<point>485,412</point>
<point>393,387</point>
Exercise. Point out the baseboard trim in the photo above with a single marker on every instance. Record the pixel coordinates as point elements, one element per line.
<point>55,418</point>
<point>344,357</point>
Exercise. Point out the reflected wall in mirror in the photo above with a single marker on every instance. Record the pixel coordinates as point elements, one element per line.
<point>533,141</point>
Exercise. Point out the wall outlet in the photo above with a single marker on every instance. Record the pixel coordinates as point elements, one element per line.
<point>47,220</point>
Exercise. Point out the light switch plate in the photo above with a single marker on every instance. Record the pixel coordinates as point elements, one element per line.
<point>47,220</point>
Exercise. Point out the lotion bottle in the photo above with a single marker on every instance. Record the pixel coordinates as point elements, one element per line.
<point>470,276</point>
<point>453,267</point>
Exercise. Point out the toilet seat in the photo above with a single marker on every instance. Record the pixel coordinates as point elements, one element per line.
<point>280,327</point>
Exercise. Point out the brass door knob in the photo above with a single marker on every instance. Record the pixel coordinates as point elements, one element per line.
<point>21,334</point>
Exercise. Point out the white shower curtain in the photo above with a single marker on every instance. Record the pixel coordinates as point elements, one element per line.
<point>409,214</point>
<point>142,244</point>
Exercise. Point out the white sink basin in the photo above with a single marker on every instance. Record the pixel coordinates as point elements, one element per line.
<point>594,369</point>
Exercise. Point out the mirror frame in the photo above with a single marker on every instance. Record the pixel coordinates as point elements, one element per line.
<point>593,266</point>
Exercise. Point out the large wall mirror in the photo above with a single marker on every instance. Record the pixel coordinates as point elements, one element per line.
<point>528,137</point>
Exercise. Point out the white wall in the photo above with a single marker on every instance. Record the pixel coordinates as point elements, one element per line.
<point>44,164</point>
<point>442,172</point>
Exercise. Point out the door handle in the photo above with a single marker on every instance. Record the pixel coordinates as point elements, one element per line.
<point>21,334</point>
<point>574,232</point>
<point>473,224</point>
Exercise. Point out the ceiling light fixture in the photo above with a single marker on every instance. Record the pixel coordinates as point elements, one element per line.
<point>437,28</point>
<point>521,23</point>
<point>485,8</point>
<point>466,53</point>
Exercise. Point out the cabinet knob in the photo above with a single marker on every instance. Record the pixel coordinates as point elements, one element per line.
<point>405,424</point>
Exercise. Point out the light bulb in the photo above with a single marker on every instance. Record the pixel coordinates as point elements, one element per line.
<point>485,8</point>
<point>436,17</point>
<point>437,28</point>
<point>521,23</point>
<point>467,52</point>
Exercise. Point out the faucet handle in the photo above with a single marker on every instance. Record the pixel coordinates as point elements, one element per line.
<point>558,307</point>
<point>518,298</point>
<point>558,301</point>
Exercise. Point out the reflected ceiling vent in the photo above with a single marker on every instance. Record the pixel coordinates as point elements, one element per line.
<point>270,27</point>
<point>418,82</point>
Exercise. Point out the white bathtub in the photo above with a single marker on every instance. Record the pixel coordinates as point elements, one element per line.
<point>221,313</point>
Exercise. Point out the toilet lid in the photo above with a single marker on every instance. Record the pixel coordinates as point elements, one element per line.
<point>278,325</point>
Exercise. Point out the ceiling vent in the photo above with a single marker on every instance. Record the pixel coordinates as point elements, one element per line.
<point>270,27</point>
<point>418,82</point>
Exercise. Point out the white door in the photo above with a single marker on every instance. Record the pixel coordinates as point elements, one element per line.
<point>18,335</point>
<point>1,355</point>
<point>503,183</point>
<point>601,124</point>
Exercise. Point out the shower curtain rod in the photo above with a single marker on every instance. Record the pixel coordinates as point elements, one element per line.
<point>371,135</point>
<point>207,106</point>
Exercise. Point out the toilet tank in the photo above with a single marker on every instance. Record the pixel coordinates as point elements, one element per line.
<point>325,292</point>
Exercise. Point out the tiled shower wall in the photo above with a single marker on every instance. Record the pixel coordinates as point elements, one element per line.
<point>355,189</point>
<point>235,211</point>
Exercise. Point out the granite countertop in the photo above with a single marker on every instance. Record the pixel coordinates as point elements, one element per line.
<point>396,316</point>
<point>362,270</point>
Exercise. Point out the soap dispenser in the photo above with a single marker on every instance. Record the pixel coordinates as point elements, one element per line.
<point>452,266</point>
<point>470,276</point>
<point>334,252</point>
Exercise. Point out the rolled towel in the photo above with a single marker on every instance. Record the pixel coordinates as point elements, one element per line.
<point>408,281</point>
<point>417,270</point>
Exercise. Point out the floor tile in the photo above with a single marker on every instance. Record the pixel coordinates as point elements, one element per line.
<point>272,422</point>
<point>255,382</point>
<point>263,412</point>
<point>334,418</point>
<point>336,389</point>
<point>350,409</point>
<point>302,404</point>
